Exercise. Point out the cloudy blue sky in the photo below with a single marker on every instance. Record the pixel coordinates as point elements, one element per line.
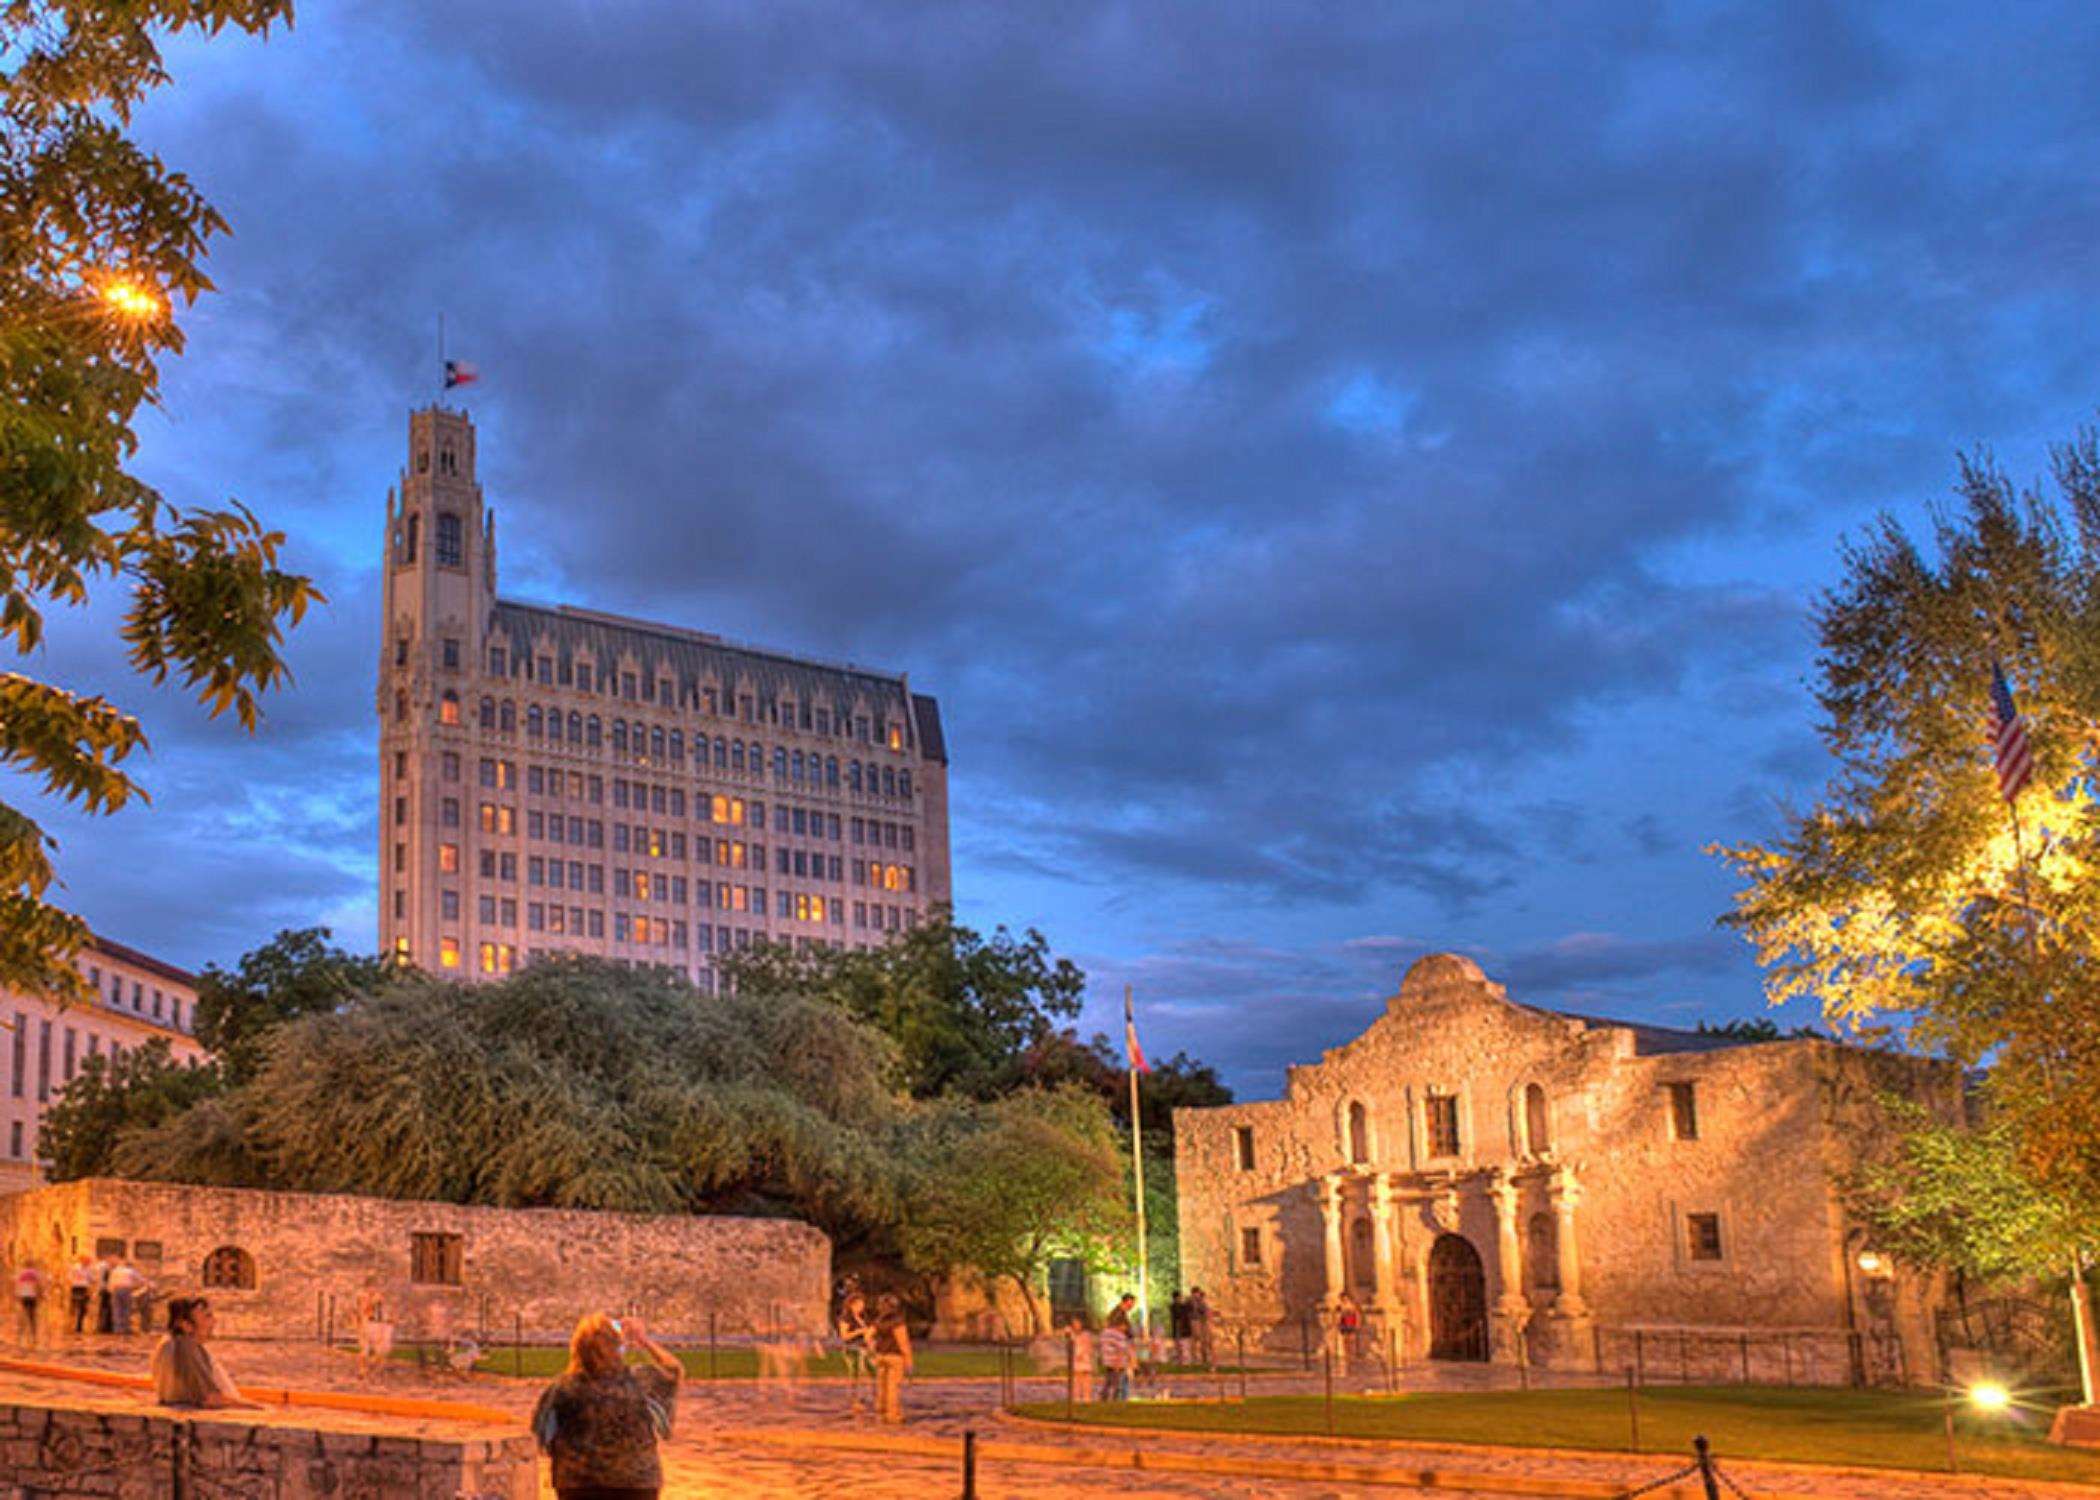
<point>1356,475</point>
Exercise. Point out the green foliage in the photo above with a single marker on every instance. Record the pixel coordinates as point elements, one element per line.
<point>297,973</point>
<point>961,1008</point>
<point>1005,1186</point>
<point>98,241</point>
<point>110,1100</point>
<point>1960,1197</point>
<point>1899,893</point>
<point>574,1084</point>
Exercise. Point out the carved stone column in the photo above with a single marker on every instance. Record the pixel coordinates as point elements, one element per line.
<point>1573,1341</point>
<point>1331,1223</point>
<point>1384,1294</point>
<point>1511,1310</point>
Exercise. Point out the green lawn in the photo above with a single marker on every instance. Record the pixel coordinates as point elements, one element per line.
<point>1879,1428</point>
<point>740,1362</point>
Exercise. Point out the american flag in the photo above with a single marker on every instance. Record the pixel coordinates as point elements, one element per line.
<point>1130,1041</point>
<point>2009,748</point>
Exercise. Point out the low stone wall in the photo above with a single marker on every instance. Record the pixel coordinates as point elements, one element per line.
<point>61,1452</point>
<point>302,1261</point>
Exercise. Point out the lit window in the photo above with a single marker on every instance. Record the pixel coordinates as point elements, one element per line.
<point>448,953</point>
<point>448,708</point>
<point>448,859</point>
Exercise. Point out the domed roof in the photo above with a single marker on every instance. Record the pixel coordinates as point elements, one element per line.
<point>1439,969</point>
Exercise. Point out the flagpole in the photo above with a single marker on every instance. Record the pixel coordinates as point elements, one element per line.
<point>1137,1164</point>
<point>441,352</point>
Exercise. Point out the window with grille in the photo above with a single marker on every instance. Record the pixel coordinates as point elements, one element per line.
<point>229,1268</point>
<point>1442,1116</point>
<point>1703,1231</point>
<point>1250,1247</point>
<point>434,1259</point>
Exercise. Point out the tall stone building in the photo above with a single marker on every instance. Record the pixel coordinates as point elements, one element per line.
<point>1484,1176</point>
<point>557,780</point>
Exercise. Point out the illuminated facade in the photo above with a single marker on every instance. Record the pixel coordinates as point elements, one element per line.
<point>556,780</point>
<point>137,999</point>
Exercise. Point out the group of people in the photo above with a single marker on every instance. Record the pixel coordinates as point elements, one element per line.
<point>1125,1347</point>
<point>106,1295</point>
<point>876,1344</point>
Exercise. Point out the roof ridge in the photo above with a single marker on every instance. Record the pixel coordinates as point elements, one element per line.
<point>701,638</point>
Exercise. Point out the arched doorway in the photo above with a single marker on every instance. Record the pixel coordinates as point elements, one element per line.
<point>1458,1327</point>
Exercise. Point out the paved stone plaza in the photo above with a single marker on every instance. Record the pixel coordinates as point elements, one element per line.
<point>740,1438</point>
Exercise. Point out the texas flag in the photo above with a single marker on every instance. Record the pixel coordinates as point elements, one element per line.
<point>1130,1041</point>
<point>459,372</point>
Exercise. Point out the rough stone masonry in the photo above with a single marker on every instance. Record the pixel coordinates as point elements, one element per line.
<point>290,1265</point>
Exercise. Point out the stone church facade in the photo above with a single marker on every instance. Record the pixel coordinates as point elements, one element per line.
<point>1490,1181</point>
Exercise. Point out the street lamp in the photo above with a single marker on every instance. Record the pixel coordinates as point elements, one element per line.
<point>131,299</point>
<point>1987,1396</point>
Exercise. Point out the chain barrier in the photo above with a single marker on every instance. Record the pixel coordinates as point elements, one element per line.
<point>1684,1473</point>
<point>1710,1474</point>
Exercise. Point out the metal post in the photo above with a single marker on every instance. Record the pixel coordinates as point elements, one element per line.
<point>1786,1355</point>
<point>712,1373</point>
<point>1328,1362</point>
<point>1071,1372</point>
<point>1305,1337</point>
<point>1706,1467</point>
<point>1640,1354</point>
<point>969,1465</point>
<point>517,1342</point>
<point>1745,1338</point>
<point>1243,1364</point>
<point>1392,1360</point>
<point>1633,1407</point>
<point>1953,1464</point>
<point>1684,1361</point>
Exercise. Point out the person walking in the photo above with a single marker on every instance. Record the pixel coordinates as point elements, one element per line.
<point>1079,1379</point>
<point>185,1371</point>
<point>80,1282</point>
<point>600,1421</point>
<point>29,1291</point>
<point>856,1334</point>
<point>1199,1328</point>
<point>1117,1351</point>
<point>892,1352</point>
<point>104,1317</point>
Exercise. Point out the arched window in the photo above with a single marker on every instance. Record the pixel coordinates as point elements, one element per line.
<point>230,1268</point>
<point>619,745</point>
<point>853,774</point>
<point>535,723</point>
<point>415,531</point>
<point>904,785</point>
<point>593,732</point>
<point>736,754</point>
<point>677,747</point>
<point>889,781</point>
<point>1537,1134</point>
<point>448,708</point>
<point>488,713</point>
<point>451,546</point>
<point>722,754</point>
<point>780,763</point>
<point>1542,1252</point>
<point>831,770</point>
<point>1359,1133</point>
<point>509,717</point>
<point>401,705</point>
<point>796,763</point>
<point>575,727</point>
<point>656,744</point>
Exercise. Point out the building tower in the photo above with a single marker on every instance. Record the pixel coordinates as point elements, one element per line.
<point>440,583</point>
<point>560,780</point>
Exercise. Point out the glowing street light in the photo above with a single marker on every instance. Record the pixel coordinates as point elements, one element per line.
<point>1989,1395</point>
<point>130,299</point>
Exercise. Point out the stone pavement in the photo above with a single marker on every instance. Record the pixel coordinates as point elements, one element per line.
<point>739,1439</point>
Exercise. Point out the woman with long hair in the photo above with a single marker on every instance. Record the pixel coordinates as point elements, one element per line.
<point>600,1421</point>
<point>185,1371</point>
<point>892,1349</point>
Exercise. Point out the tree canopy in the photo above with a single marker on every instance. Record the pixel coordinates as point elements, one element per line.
<point>99,242</point>
<point>113,1097</point>
<point>961,1008</point>
<point>1898,898</point>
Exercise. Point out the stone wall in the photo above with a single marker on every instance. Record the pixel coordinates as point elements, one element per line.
<point>1596,1154</point>
<point>535,1269</point>
<point>62,1452</point>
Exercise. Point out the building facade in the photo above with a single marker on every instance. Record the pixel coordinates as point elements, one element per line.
<point>1489,1180</point>
<point>137,999</point>
<point>556,780</point>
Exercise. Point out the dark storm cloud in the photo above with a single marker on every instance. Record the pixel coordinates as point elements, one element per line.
<point>1322,463</point>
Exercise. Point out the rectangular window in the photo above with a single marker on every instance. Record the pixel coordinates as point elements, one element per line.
<point>448,905</point>
<point>1684,1112</point>
<point>451,550</point>
<point>1243,1146</point>
<point>448,953</point>
<point>1250,1247</point>
<point>43,1060</point>
<point>435,1259</point>
<point>1441,1111</point>
<point>1703,1232</point>
<point>448,859</point>
<point>450,649</point>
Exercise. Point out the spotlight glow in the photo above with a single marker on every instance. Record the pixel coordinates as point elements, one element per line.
<point>1989,1395</point>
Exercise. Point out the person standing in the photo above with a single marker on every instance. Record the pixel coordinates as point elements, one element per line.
<point>80,1282</point>
<point>1179,1326</point>
<point>29,1290</point>
<point>375,1335</point>
<point>856,1333</point>
<point>1116,1354</point>
<point>1199,1327</point>
<point>1079,1376</point>
<point>125,1284</point>
<point>892,1346</point>
<point>1348,1330</point>
<point>104,1315</point>
<point>600,1422</point>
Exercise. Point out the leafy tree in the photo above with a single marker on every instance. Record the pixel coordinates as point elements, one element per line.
<point>110,1098</point>
<point>1900,895</point>
<point>961,1008</point>
<point>1003,1187</point>
<point>1754,1029</point>
<point>575,1084</point>
<point>1180,1082</point>
<point>296,973</point>
<point>98,239</point>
